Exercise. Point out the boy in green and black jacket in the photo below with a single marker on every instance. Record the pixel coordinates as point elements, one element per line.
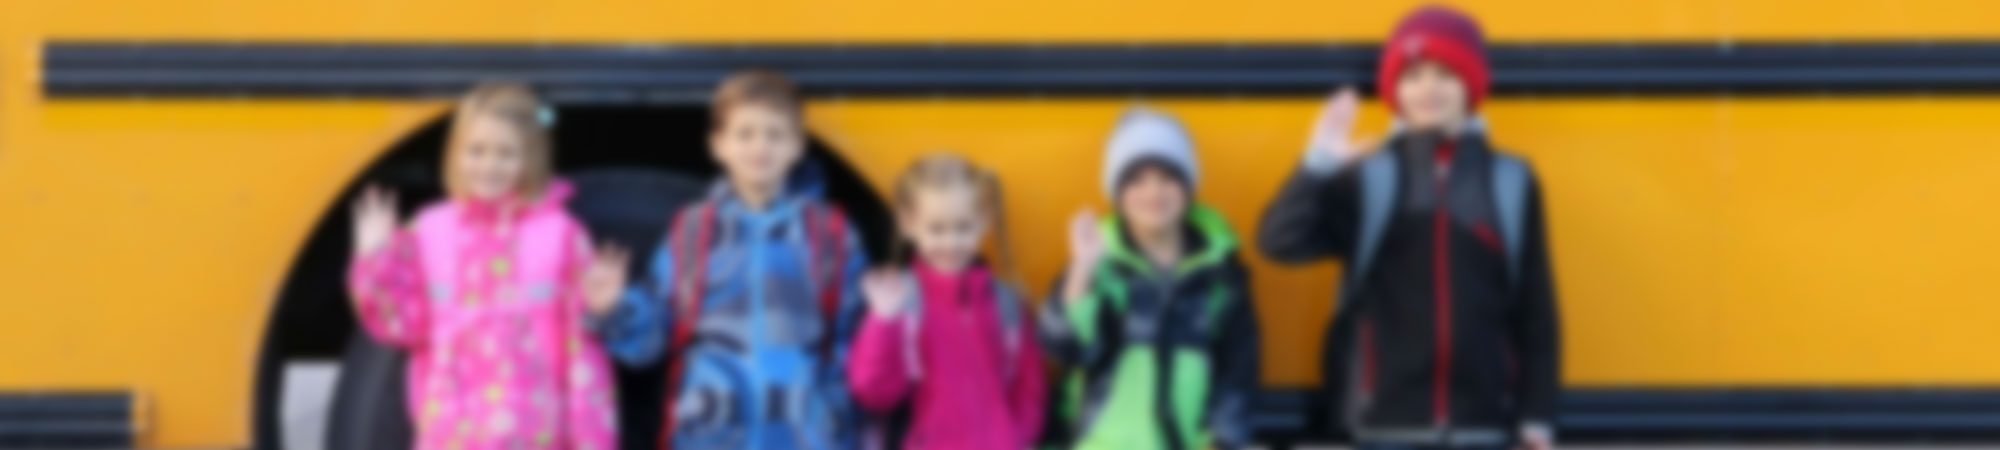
<point>1153,322</point>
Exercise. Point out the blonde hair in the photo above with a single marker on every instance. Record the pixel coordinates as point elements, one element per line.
<point>517,106</point>
<point>943,170</point>
<point>762,87</point>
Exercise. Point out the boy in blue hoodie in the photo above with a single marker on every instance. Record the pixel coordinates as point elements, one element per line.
<point>749,299</point>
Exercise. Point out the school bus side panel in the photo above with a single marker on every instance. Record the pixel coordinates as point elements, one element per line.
<point>1698,241</point>
<point>145,241</point>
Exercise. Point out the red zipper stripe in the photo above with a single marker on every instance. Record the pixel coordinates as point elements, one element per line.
<point>1441,383</point>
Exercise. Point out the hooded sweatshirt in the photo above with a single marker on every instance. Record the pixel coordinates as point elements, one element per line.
<point>756,374</point>
<point>486,298</point>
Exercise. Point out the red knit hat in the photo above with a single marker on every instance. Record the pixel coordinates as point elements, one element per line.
<point>1440,34</point>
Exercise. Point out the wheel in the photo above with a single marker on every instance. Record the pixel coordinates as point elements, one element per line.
<point>369,408</point>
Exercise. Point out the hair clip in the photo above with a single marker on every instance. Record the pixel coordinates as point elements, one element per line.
<point>546,116</point>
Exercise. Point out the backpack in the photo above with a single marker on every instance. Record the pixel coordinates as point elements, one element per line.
<point>690,238</point>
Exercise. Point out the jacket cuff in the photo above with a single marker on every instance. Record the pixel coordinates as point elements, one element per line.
<point>873,324</point>
<point>596,323</point>
<point>1538,430</point>
<point>620,312</point>
<point>1321,163</point>
<point>1053,321</point>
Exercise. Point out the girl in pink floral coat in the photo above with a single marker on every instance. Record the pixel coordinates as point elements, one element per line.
<point>485,291</point>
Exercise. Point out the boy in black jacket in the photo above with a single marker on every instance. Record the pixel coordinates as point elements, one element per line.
<point>1446,335</point>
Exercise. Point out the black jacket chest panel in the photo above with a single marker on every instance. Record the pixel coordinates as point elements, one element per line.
<point>1468,191</point>
<point>1172,311</point>
<point>1405,279</point>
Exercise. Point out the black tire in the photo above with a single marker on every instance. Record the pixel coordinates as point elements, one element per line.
<point>369,408</point>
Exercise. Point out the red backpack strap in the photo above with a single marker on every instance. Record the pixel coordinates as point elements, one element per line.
<point>826,236</point>
<point>690,243</point>
<point>691,255</point>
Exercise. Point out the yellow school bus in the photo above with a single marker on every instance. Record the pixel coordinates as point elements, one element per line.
<point>1770,217</point>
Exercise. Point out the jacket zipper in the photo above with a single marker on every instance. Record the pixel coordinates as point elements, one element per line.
<point>1164,349</point>
<point>754,256</point>
<point>1441,383</point>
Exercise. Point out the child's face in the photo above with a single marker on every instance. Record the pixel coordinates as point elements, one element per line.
<point>1431,96</point>
<point>757,143</point>
<point>1153,200</point>
<point>946,224</point>
<point>491,158</point>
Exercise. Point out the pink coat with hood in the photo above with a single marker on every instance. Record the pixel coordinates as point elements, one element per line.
<point>487,299</point>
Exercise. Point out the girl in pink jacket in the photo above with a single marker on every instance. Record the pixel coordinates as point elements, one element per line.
<point>946,338</point>
<point>485,291</point>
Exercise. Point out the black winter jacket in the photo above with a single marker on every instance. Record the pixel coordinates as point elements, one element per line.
<point>1439,342</point>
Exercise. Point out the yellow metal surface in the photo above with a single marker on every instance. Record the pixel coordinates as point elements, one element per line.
<point>1699,242</point>
<point>652,21</point>
<point>145,243</point>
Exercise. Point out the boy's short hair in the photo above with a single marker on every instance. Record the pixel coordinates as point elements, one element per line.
<point>756,86</point>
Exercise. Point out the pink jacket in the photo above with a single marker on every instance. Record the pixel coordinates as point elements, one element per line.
<point>487,300</point>
<point>973,384</point>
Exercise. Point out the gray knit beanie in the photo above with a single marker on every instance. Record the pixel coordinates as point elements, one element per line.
<point>1146,134</point>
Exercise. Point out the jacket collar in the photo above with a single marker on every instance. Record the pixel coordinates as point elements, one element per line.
<point>1211,241</point>
<point>975,275</point>
<point>802,187</point>
<point>514,207</point>
<point>1421,149</point>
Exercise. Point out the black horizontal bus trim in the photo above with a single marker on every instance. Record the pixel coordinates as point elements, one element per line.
<point>676,74</point>
<point>85,419</point>
<point>1715,415</point>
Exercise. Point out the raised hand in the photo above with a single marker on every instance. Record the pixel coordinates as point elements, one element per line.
<point>1086,248</point>
<point>887,291</point>
<point>604,281</point>
<point>1086,243</point>
<point>375,219</point>
<point>1333,131</point>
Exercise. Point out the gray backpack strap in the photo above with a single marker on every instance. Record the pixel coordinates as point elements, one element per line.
<point>1005,301</point>
<point>1010,308</point>
<point>1380,178</point>
<point>1510,201</point>
<point>913,324</point>
<point>1009,304</point>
